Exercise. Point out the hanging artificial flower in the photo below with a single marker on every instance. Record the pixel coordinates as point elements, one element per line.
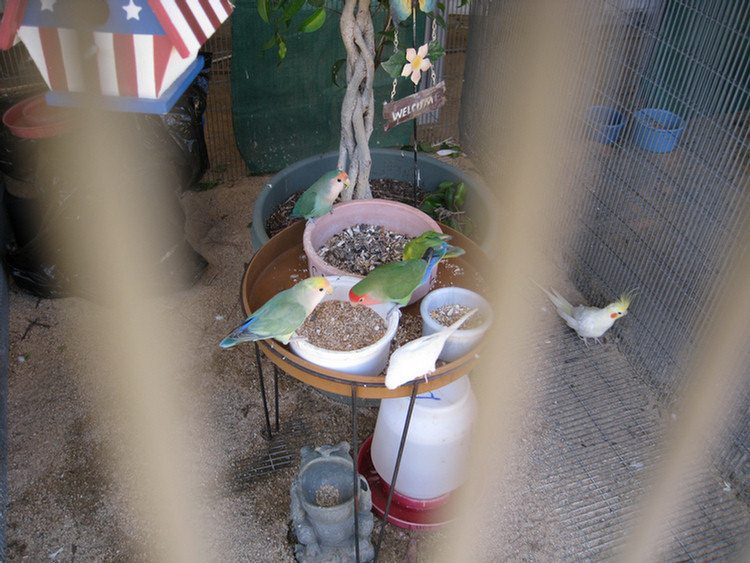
<point>417,62</point>
<point>414,62</point>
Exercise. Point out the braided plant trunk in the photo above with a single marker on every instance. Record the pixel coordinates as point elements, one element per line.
<point>358,108</point>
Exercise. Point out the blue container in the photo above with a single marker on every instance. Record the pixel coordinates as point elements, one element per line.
<point>657,130</point>
<point>606,123</point>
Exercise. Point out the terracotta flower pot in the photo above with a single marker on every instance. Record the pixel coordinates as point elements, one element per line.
<point>394,216</point>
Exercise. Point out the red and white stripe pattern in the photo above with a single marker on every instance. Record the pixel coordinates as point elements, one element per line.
<point>190,22</point>
<point>136,53</point>
<point>113,64</point>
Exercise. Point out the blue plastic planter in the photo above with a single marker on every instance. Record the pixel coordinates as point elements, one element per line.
<point>386,163</point>
<point>657,130</point>
<point>606,123</point>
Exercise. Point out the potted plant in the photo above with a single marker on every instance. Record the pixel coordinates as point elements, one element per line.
<point>364,56</point>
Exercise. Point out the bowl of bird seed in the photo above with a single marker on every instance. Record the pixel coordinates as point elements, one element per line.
<point>444,306</point>
<point>344,336</point>
<point>359,235</point>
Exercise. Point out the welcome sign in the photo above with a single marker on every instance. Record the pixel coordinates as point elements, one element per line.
<point>413,106</point>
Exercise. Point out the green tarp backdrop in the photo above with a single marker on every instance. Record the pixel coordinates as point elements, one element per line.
<point>283,113</point>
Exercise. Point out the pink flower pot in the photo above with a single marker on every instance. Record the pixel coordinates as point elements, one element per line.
<point>394,216</point>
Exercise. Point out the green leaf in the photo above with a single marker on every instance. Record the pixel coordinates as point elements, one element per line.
<point>336,71</point>
<point>316,3</point>
<point>282,47</point>
<point>428,208</point>
<point>426,147</point>
<point>394,65</point>
<point>446,184</point>
<point>460,197</point>
<point>434,200</point>
<point>435,50</point>
<point>291,9</point>
<point>388,34</point>
<point>450,195</point>
<point>263,9</point>
<point>270,43</point>
<point>314,22</point>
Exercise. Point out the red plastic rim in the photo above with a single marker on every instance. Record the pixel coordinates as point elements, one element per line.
<point>32,118</point>
<point>405,512</point>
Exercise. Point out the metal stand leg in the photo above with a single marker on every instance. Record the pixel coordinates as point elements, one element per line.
<point>355,476</point>
<point>276,393</point>
<point>263,393</point>
<point>400,454</point>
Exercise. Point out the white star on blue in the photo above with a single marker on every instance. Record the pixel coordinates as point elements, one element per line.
<point>132,11</point>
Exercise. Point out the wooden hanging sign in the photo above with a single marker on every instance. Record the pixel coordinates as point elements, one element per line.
<point>413,106</point>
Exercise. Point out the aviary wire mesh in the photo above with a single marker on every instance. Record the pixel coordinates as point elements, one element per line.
<point>666,223</point>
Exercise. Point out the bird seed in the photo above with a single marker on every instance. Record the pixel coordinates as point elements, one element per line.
<point>342,326</point>
<point>449,314</point>
<point>359,248</point>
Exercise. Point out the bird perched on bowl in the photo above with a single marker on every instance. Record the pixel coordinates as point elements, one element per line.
<point>394,282</point>
<point>431,239</point>
<point>590,322</point>
<point>317,200</point>
<point>418,357</point>
<point>281,315</point>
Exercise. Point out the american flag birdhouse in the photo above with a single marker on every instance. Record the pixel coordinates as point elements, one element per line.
<point>134,55</point>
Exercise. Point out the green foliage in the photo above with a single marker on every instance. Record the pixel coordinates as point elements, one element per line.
<point>446,204</point>
<point>281,15</point>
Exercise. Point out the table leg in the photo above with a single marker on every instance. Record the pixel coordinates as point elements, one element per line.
<point>399,455</point>
<point>263,393</point>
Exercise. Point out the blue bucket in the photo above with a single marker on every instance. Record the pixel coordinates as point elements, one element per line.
<point>606,123</point>
<point>657,130</point>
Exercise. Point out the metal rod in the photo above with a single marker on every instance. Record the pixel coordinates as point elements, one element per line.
<point>276,393</point>
<point>355,471</point>
<point>414,121</point>
<point>392,488</point>
<point>263,391</point>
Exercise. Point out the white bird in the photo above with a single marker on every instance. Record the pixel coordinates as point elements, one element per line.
<point>418,357</point>
<point>590,322</point>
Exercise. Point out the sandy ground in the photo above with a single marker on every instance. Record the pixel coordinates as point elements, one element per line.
<point>69,500</point>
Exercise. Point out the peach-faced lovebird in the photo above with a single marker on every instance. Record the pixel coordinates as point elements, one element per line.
<point>590,322</point>
<point>281,315</point>
<point>417,358</point>
<point>317,200</point>
<point>431,239</point>
<point>394,282</point>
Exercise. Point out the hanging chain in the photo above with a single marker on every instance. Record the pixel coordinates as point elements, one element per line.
<point>395,50</point>
<point>434,37</point>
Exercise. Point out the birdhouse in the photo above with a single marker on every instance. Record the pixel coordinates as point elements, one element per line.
<point>131,55</point>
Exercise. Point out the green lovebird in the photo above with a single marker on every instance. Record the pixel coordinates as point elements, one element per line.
<point>281,315</point>
<point>318,199</point>
<point>394,282</point>
<point>430,239</point>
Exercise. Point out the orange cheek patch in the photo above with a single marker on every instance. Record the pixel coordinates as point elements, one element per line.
<point>613,315</point>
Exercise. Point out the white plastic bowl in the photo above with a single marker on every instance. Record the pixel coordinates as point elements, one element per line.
<point>370,360</point>
<point>460,342</point>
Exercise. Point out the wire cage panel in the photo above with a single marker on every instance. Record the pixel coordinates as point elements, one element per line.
<point>669,224</point>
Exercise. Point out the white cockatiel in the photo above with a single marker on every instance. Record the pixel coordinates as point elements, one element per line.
<point>590,322</point>
<point>418,358</point>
